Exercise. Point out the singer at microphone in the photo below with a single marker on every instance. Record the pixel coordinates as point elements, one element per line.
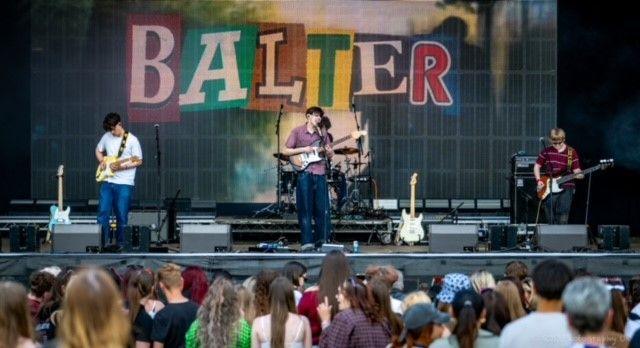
<point>312,193</point>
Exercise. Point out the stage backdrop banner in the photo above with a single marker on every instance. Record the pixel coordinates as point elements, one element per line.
<point>447,90</point>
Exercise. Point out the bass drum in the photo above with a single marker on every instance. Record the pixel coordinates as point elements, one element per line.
<point>288,181</point>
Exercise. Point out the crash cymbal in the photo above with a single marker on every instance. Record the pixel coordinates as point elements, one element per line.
<point>281,156</point>
<point>360,178</point>
<point>346,151</point>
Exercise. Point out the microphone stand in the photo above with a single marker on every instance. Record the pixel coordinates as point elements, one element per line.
<point>279,166</point>
<point>159,181</point>
<point>549,170</point>
<point>359,140</point>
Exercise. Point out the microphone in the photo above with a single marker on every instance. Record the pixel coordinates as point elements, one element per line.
<point>281,107</point>
<point>542,141</point>
<point>156,125</point>
<point>519,153</point>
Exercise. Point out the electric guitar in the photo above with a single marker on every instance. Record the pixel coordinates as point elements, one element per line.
<point>301,161</point>
<point>58,215</point>
<point>552,185</point>
<point>107,172</point>
<point>410,230</point>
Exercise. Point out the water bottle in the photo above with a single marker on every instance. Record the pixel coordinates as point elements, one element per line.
<point>356,247</point>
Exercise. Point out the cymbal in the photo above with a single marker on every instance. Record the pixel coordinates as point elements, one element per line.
<point>346,151</point>
<point>281,156</point>
<point>355,164</point>
<point>360,178</point>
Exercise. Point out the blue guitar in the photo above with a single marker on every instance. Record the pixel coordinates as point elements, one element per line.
<point>58,215</point>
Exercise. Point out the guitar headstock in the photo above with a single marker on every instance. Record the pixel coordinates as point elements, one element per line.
<point>606,163</point>
<point>414,179</point>
<point>358,134</point>
<point>60,171</point>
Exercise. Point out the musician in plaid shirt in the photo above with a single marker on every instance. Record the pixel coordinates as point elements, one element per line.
<point>556,160</point>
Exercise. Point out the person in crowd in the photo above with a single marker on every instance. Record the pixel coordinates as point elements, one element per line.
<point>219,322</point>
<point>587,303</point>
<point>261,291</point>
<point>414,298</point>
<point>389,275</point>
<point>40,285</point>
<point>452,283</point>
<point>469,312</point>
<point>527,287</point>
<point>497,313</point>
<point>49,313</point>
<point>516,269</point>
<point>16,328</point>
<point>397,289</point>
<point>633,320</point>
<point>334,271</point>
<point>297,275</point>
<point>615,328</point>
<point>143,306</point>
<point>378,290</point>
<point>282,327</point>
<point>196,284</point>
<point>509,291</point>
<point>423,324</point>
<point>481,280</point>
<point>245,303</point>
<point>93,313</point>
<point>358,324</point>
<point>551,328</point>
<point>173,321</point>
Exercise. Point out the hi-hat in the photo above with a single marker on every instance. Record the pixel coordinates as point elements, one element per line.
<point>281,156</point>
<point>346,151</point>
<point>355,164</point>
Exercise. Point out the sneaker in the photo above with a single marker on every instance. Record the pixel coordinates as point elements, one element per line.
<point>307,247</point>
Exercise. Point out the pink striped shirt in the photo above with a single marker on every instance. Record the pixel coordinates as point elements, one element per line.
<point>558,162</point>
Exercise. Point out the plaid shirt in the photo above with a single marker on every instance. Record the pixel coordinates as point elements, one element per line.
<point>351,328</point>
<point>558,162</point>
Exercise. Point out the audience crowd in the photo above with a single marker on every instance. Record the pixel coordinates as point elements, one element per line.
<point>549,306</point>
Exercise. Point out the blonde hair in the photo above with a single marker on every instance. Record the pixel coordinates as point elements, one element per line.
<point>245,301</point>
<point>15,322</point>
<point>93,314</point>
<point>557,134</point>
<point>414,298</point>
<point>509,290</point>
<point>481,280</point>
<point>170,275</point>
<point>219,315</point>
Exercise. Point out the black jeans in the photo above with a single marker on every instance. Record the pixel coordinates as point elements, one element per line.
<point>558,205</point>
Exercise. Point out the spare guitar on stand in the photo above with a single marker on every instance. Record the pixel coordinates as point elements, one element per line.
<point>410,230</point>
<point>59,215</point>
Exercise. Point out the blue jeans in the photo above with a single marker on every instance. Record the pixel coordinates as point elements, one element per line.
<point>116,197</point>
<point>312,199</point>
<point>559,204</point>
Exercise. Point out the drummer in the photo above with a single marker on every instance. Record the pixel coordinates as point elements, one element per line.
<point>337,178</point>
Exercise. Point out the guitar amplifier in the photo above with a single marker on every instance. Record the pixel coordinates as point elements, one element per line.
<point>76,238</point>
<point>523,164</point>
<point>454,238</point>
<point>23,238</point>
<point>200,238</point>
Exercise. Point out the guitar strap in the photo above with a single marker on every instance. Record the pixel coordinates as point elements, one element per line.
<point>123,144</point>
<point>569,158</point>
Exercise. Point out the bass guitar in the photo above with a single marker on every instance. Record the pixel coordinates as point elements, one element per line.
<point>301,161</point>
<point>59,215</point>
<point>410,229</point>
<point>552,185</point>
<point>113,161</point>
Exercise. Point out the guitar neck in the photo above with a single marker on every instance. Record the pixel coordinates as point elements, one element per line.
<point>412,204</point>
<point>341,140</point>
<point>570,177</point>
<point>60,193</point>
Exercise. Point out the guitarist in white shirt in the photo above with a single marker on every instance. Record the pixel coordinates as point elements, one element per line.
<point>312,197</point>
<point>556,160</point>
<point>116,191</point>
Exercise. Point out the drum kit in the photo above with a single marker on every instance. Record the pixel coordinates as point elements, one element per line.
<point>345,180</point>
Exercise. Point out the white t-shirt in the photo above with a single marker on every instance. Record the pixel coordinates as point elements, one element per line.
<point>111,144</point>
<point>632,325</point>
<point>546,330</point>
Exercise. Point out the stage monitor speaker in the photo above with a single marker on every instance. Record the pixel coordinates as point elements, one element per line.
<point>201,238</point>
<point>136,239</point>
<point>452,238</point>
<point>614,237</point>
<point>150,219</point>
<point>503,237</point>
<point>562,237</point>
<point>23,238</point>
<point>76,238</point>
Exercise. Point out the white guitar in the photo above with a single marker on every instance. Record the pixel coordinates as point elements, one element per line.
<point>59,215</point>
<point>410,230</point>
<point>301,161</point>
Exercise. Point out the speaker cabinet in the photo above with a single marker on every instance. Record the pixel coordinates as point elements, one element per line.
<point>76,238</point>
<point>503,237</point>
<point>23,238</point>
<point>200,238</point>
<point>452,238</point>
<point>614,237</point>
<point>136,239</point>
<point>562,237</point>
